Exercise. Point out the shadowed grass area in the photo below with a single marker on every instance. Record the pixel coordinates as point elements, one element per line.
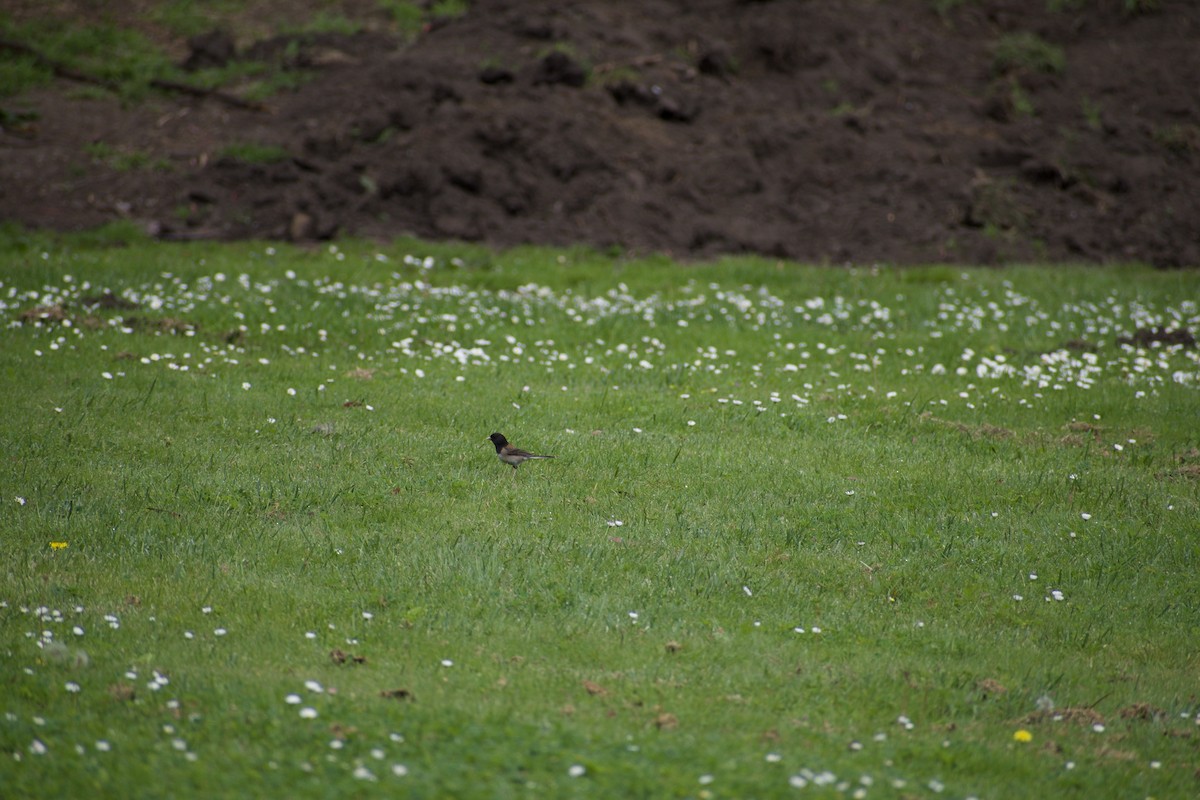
<point>842,530</point>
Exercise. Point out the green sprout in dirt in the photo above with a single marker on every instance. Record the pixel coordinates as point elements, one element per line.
<point>408,17</point>
<point>125,159</point>
<point>1022,104</point>
<point>1129,7</point>
<point>1135,7</point>
<point>325,22</point>
<point>411,18</point>
<point>1180,138</point>
<point>449,9</point>
<point>254,153</point>
<point>1092,113</point>
<point>1028,52</point>
<point>946,7</point>
<point>191,17</point>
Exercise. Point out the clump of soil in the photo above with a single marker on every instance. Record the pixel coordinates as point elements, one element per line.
<point>836,131</point>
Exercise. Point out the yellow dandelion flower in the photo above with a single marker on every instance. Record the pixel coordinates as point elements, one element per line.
<point>1022,736</point>
<point>57,545</point>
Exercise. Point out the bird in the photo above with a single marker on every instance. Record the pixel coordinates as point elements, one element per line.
<point>513,456</point>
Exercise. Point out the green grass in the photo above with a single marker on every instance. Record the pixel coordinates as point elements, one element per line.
<point>118,56</point>
<point>126,62</point>
<point>289,446</point>
<point>21,73</point>
<point>124,53</point>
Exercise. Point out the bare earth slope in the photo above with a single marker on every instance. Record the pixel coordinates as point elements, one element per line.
<point>823,131</point>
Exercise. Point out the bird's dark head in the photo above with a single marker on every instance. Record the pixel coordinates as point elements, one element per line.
<point>498,440</point>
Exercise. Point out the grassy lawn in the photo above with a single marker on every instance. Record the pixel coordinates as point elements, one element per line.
<point>812,532</point>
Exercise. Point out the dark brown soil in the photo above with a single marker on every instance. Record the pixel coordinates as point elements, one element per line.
<point>829,131</point>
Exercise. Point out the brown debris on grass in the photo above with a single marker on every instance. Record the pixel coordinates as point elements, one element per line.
<point>109,301</point>
<point>163,324</point>
<point>44,314</point>
<point>982,431</point>
<point>1142,712</point>
<point>1075,716</point>
<point>122,692</point>
<point>339,657</point>
<point>1146,337</point>
<point>666,722</point>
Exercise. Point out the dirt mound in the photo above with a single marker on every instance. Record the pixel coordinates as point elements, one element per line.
<point>821,131</point>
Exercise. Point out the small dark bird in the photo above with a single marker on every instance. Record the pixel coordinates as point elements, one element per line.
<point>509,454</point>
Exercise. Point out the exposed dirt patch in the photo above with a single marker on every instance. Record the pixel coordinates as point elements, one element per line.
<point>108,301</point>
<point>666,722</point>
<point>161,324</point>
<point>340,657</point>
<point>44,314</point>
<point>1189,464</point>
<point>1188,471</point>
<point>1147,337</point>
<point>122,692</point>
<point>833,131</point>
<point>1143,712</point>
<point>983,431</point>
<point>1113,754</point>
